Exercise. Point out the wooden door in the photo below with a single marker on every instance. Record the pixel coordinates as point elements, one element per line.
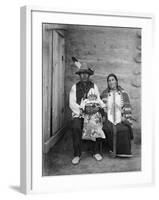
<point>58,81</point>
<point>53,85</point>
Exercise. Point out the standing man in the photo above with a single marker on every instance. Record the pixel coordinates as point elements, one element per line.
<point>78,92</point>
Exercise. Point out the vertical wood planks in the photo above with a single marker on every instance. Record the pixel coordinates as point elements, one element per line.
<point>58,81</point>
<point>46,89</point>
<point>53,81</point>
<point>63,80</point>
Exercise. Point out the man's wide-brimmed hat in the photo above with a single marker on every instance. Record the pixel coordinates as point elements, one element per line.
<point>85,69</point>
<point>82,67</point>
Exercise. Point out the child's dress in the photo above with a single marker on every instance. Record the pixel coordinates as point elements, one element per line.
<point>92,126</point>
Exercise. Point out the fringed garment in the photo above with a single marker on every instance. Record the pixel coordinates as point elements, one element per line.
<point>118,107</point>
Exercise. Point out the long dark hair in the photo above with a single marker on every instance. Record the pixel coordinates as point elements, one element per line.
<point>113,75</point>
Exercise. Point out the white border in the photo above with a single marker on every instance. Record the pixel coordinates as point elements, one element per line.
<point>32,169</point>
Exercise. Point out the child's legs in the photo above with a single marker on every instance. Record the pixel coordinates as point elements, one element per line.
<point>97,146</point>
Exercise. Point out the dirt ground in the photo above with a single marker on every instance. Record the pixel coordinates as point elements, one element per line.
<point>58,160</point>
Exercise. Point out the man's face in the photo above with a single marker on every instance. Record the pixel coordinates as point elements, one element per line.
<point>84,77</point>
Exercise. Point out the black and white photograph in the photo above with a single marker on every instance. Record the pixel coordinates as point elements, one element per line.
<point>79,100</point>
<point>91,99</point>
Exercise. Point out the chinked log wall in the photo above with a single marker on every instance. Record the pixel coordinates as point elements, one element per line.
<point>107,50</point>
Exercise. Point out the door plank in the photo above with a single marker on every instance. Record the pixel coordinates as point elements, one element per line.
<point>46,89</point>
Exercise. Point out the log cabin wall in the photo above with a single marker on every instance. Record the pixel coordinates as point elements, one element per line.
<point>107,50</point>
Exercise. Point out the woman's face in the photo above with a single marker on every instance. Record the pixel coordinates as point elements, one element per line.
<point>112,82</point>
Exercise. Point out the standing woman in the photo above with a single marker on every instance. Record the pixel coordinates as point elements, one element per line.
<point>118,125</point>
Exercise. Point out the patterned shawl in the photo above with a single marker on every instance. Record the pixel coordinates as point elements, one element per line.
<point>126,108</point>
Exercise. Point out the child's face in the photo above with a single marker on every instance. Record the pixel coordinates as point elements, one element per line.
<point>92,97</point>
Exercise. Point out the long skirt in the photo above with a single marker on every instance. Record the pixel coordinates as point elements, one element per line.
<point>123,138</point>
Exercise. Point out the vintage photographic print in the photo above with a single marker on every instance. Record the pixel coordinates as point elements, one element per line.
<point>91,99</point>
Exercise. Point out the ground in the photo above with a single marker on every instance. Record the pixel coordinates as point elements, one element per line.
<point>58,160</point>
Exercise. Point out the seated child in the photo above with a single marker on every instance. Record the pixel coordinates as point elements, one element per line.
<point>91,110</point>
